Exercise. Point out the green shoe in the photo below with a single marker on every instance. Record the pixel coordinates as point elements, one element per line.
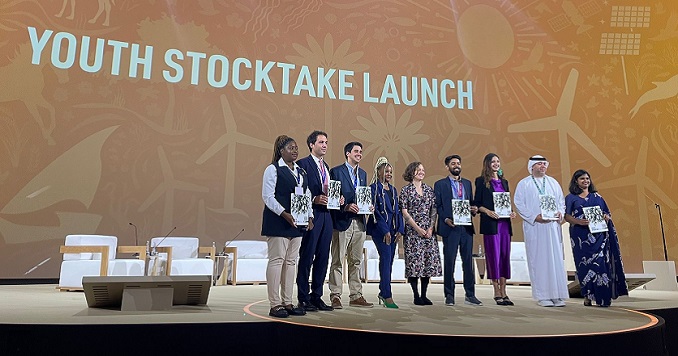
<point>388,302</point>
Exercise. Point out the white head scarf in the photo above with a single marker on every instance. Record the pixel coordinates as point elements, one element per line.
<point>534,160</point>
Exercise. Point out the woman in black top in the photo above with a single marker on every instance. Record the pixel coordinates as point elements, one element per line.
<point>282,178</point>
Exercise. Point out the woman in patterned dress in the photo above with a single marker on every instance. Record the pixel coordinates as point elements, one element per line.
<point>422,258</point>
<point>596,255</point>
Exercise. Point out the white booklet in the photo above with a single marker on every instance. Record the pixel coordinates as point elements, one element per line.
<point>363,197</point>
<point>596,218</point>
<point>502,204</point>
<point>333,194</point>
<point>301,208</point>
<point>547,204</point>
<point>461,212</point>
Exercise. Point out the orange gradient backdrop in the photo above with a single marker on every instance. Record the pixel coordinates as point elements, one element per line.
<point>589,84</point>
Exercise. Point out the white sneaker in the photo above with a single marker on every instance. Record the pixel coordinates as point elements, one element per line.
<point>545,303</point>
<point>558,302</point>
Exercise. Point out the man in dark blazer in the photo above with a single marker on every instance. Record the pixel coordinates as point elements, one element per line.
<point>455,237</point>
<point>315,244</point>
<point>349,226</point>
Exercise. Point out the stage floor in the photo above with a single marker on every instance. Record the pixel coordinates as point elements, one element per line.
<point>44,305</point>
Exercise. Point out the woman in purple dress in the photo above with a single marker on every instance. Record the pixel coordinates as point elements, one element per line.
<point>496,231</point>
<point>596,255</point>
<point>422,258</point>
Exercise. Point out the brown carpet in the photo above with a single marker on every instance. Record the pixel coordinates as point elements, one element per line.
<point>43,304</point>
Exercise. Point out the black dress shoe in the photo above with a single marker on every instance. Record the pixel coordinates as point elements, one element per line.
<point>320,305</point>
<point>307,306</point>
<point>418,301</point>
<point>426,301</point>
<point>278,311</point>
<point>292,310</point>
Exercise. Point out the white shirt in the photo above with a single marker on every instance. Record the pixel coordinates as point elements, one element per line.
<point>268,186</point>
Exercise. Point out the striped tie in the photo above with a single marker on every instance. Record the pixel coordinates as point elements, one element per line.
<point>323,176</point>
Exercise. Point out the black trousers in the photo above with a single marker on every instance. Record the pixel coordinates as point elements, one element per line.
<point>458,240</point>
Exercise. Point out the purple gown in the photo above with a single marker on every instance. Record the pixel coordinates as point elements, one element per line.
<point>498,247</point>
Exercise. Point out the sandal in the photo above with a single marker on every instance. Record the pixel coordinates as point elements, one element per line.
<point>587,302</point>
<point>278,311</point>
<point>507,301</point>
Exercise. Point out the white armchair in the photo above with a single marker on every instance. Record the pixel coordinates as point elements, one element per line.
<point>83,257</point>
<point>520,274</point>
<point>370,267</point>
<point>180,256</point>
<point>248,262</point>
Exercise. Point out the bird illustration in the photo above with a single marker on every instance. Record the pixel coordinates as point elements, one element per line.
<point>670,30</point>
<point>662,90</point>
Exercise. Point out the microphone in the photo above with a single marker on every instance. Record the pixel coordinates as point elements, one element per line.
<point>38,265</point>
<point>136,235</point>
<point>161,241</point>
<point>233,239</point>
<point>661,224</point>
<point>136,238</point>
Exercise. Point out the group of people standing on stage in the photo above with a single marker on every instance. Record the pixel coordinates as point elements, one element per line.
<point>417,216</point>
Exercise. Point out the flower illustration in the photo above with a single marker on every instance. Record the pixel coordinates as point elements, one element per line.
<point>326,55</point>
<point>393,137</point>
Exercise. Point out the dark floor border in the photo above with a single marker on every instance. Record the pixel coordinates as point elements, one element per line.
<point>283,338</point>
<point>18,281</point>
<point>670,317</point>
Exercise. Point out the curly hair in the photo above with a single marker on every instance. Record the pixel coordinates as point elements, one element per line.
<point>408,175</point>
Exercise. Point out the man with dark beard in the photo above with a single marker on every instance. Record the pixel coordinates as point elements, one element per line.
<point>455,237</point>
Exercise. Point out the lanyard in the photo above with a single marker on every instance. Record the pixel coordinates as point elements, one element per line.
<point>541,191</point>
<point>296,175</point>
<point>354,175</point>
<point>323,173</point>
<point>457,188</point>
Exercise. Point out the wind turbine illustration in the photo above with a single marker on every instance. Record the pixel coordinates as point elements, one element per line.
<point>642,183</point>
<point>230,140</point>
<point>167,188</point>
<point>456,130</point>
<point>562,123</point>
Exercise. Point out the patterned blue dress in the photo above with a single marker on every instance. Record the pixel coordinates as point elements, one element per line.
<point>596,256</point>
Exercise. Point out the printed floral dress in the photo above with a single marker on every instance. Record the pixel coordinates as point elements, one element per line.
<point>422,257</point>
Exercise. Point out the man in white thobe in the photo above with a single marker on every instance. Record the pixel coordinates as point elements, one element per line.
<point>543,237</point>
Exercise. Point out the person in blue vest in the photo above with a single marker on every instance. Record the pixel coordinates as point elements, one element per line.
<point>315,245</point>
<point>349,235</point>
<point>282,178</point>
<point>455,237</point>
<point>386,226</point>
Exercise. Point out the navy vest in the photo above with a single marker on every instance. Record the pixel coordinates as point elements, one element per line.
<point>276,225</point>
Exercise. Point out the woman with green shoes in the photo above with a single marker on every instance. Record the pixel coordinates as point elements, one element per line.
<point>385,226</point>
